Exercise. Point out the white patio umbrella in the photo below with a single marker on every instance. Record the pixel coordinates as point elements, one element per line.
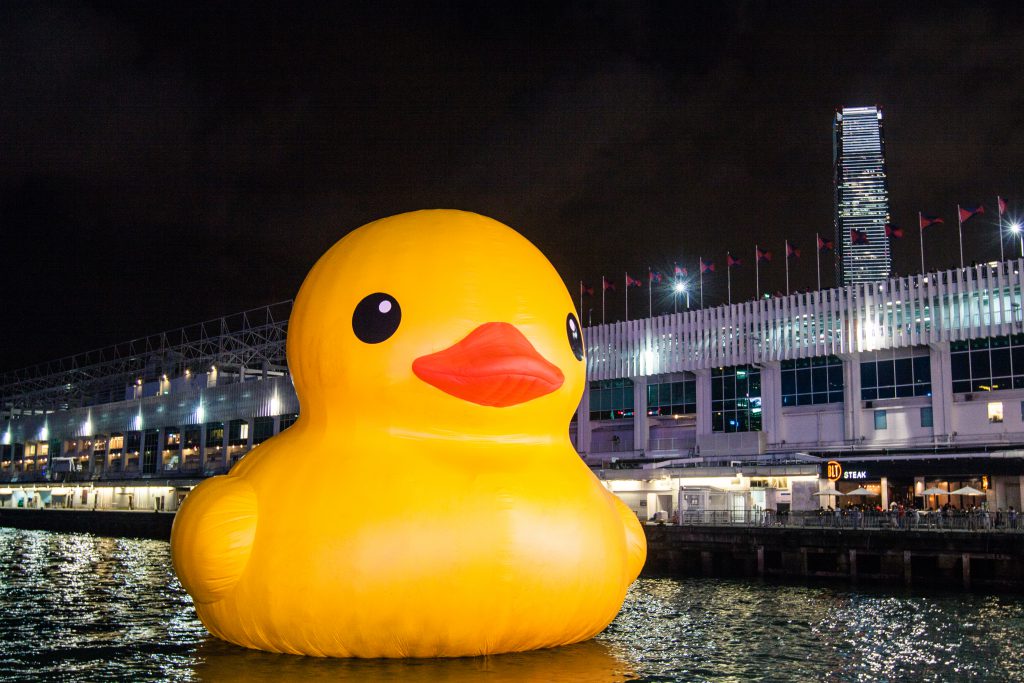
<point>934,491</point>
<point>967,491</point>
<point>829,492</point>
<point>860,492</point>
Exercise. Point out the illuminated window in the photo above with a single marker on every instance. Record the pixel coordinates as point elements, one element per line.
<point>808,381</point>
<point>673,398</point>
<point>611,399</point>
<point>736,399</point>
<point>883,376</point>
<point>987,364</point>
<point>995,411</point>
<point>926,417</point>
<point>881,420</point>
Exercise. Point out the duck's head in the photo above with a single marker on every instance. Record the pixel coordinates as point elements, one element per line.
<point>437,323</point>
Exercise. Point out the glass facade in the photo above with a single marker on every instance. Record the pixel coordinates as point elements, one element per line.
<point>861,195</point>
<point>809,381</point>
<point>882,376</point>
<point>673,398</point>
<point>611,399</point>
<point>987,364</point>
<point>736,399</point>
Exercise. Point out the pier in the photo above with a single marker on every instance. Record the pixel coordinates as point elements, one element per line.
<point>986,559</point>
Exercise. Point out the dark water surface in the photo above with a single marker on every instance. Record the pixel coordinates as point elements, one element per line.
<point>76,607</point>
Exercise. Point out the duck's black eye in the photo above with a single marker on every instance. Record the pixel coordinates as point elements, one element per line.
<point>376,318</point>
<point>572,329</point>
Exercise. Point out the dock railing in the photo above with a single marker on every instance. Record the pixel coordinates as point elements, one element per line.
<point>937,520</point>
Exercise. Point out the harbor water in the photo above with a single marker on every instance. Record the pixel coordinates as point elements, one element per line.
<point>76,607</point>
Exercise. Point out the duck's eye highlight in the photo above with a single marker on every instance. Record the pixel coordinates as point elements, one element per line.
<point>376,318</point>
<point>572,330</point>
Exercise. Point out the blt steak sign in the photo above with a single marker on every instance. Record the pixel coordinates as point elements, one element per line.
<point>833,470</point>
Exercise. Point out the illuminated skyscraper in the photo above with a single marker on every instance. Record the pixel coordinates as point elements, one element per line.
<point>861,196</point>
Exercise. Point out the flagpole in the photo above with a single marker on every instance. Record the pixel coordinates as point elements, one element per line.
<point>728,276</point>
<point>817,256</point>
<point>920,225</point>
<point>757,273</point>
<point>999,225</point>
<point>960,231</point>
<point>787,268</point>
<point>604,289</point>
<point>650,292</point>
<point>700,267</point>
<point>627,297</point>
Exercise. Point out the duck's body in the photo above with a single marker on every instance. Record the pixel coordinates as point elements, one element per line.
<point>381,534</point>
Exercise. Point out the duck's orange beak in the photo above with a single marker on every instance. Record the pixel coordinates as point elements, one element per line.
<point>494,365</point>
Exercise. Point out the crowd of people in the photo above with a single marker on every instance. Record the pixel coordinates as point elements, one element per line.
<point>900,516</point>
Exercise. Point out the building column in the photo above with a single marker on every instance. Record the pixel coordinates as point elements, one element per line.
<point>583,422</point>
<point>942,390</point>
<point>771,400</point>
<point>641,432</point>
<point>703,402</point>
<point>224,459</point>
<point>851,396</point>
<point>160,436</point>
<point>885,493</point>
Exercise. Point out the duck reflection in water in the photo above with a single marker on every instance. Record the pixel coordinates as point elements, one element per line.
<point>590,661</point>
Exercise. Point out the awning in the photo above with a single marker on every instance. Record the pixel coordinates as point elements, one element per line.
<point>6,492</point>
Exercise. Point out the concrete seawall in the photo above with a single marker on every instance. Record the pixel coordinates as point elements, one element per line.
<point>131,524</point>
<point>953,559</point>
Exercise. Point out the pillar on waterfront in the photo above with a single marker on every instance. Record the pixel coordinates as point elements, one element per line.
<point>583,422</point>
<point>703,376</point>
<point>641,432</point>
<point>851,396</point>
<point>942,401</point>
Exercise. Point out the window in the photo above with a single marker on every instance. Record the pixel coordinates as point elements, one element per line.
<point>883,376</point>
<point>736,399</point>
<point>987,364</point>
<point>808,381</point>
<point>881,422</point>
<point>673,398</point>
<point>262,429</point>
<point>611,399</point>
<point>926,417</point>
<point>287,420</point>
<point>995,412</point>
<point>214,434</point>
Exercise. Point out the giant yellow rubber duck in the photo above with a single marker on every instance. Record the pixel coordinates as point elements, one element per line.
<point>428,501</point>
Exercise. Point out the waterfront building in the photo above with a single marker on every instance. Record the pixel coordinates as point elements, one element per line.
<point>861,196</point>
<point>905,385</point>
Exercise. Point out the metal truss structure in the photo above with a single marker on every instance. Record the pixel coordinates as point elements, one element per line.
<point>243,344</point>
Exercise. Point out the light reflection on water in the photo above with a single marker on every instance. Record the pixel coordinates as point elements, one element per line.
<point>79,607</point>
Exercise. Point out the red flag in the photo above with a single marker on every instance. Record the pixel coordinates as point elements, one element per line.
<point>892,230</point>
<point>730,261</point>
<point>706,266</point>
<point>631,282</point>
<point>927,221</point>
<point>1002,205</point>
<point>654,276</point>
<point>824,245</point>
<point>793,252</point>
<point>969,211</point>
<point>858,236</point>
<point>608,284</point>
<point>763,255</point>
<point>679,270</point>
<point>586,289</point>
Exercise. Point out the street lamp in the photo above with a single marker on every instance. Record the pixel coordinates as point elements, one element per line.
<point>677,289</point>
<point>1015,228</point>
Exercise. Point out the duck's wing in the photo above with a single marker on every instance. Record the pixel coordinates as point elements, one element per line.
<point>636,541</point>
<point>212,536</point>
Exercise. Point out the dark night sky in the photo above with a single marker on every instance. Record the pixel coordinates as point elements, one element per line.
<point>160,166</point>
